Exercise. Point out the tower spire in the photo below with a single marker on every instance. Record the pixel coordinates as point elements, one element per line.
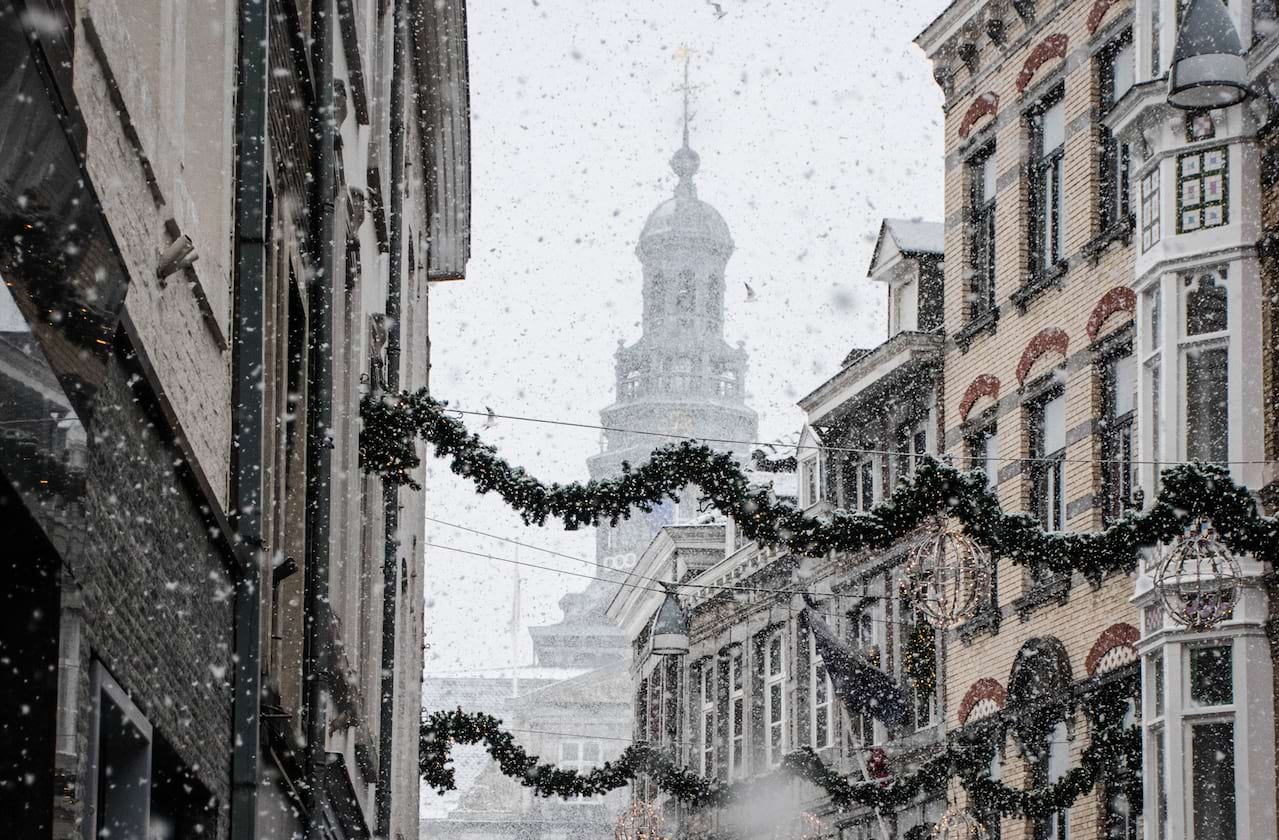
<point>685,161</point>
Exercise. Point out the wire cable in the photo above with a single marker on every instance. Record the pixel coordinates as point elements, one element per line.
<point>825,448</point>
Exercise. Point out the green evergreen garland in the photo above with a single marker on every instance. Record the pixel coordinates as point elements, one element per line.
<point>392,422</point>
<point>1113,754</point>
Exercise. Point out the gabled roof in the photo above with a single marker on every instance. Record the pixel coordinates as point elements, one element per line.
<point>907,237</point>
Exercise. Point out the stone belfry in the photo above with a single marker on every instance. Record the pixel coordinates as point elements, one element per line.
<point>680,377</point>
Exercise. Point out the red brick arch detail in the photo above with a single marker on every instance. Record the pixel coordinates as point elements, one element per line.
<point>1054,46</point>
<point>983,385</point>
<point>1098,13</point>
<point>1118,299</point>
<point>985,105</point>
<point>1116,635</point>
<point>1048,339</point>
<point>984,689</point>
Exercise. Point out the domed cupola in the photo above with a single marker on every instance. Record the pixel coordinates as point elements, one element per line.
<point>684,222</point>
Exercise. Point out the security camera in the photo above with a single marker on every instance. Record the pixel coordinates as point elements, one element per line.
<point>179,255</point>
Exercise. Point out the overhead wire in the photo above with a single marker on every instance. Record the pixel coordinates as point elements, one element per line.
<point>827,448</point>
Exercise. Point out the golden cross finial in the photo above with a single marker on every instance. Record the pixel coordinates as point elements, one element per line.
<point>685,53</point>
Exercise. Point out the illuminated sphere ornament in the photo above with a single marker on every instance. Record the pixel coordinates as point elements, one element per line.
<point>948,576</point>
<point>1199,579</point>
<point>959,824</point>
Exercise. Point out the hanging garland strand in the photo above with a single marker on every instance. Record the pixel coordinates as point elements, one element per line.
<point>392,422</point>
<point>1113,754</point>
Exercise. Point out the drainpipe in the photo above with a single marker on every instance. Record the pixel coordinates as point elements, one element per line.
<point>319,419</point>
<point>390,491</point>
<point>247,368</point>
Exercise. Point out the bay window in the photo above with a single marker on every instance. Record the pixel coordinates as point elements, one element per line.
<point>1208,724</point>
<point>1205,363</point>
<point>811,481</point>
<point>1149,209</point>
<point>775,697</point>
<point>983,188</point>
<point>1047,187</point>
<point>1202,178</point>
<point>1048,461</point>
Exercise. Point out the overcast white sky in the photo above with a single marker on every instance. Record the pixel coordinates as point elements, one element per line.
<point>814,120</point>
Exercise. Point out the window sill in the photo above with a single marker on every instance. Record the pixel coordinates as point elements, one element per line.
<point>983,323</point>
<point>1055,588</point>
<point>1038,284</point>
<point>1121,232</point>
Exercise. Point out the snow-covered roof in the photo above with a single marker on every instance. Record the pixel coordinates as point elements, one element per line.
<point>917,236</point>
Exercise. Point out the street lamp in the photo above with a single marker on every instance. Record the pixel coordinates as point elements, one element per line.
<point>670,626</point>
<point>1208,67</point>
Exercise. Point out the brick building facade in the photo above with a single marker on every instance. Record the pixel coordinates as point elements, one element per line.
<point>147,558</point>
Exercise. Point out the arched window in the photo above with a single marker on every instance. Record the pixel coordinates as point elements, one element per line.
<point>1039,694</point>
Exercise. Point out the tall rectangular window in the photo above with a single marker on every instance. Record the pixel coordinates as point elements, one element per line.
<point>775,697</point>
<point>822,691</point>
<point>1048,461</point>
<point>1115,72</point>
<point>708,718</point>
<point>1202,180</point>
<point>737,728</point>
<point>1150,209</point>
<point>982,177</point>
<point>811,485</point>
<point>983,453</point>
<point>1210,730</point>
<point>1118,444</point>
<point>1047,188</point>
<point>1205,362</point>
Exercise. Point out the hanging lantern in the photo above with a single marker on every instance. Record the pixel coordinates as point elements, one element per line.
<point>1199,579</point>
<point>948,576</point>
<point>959,824</point>
<point>1208,66</point>
<point>670,626</point>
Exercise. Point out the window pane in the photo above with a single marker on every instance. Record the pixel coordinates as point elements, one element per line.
<point>1207,412</point>
<point>775,655</point>
<point>591,752</point>
<point>774,703</point>
<point>739,717</point>
<point>569,751</point>
<point>1123,69</point>
<point>1054,429</point>
<point>1211,676</point>
<point>1125,384</point>
<point>737,672</point>
<point>1052,126</point>
<point>1206,300</point>
<point>989,182</point>
<point>1212,760</point>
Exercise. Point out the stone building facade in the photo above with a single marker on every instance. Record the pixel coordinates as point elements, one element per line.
<point>753,686</point>
<point>137,584</point>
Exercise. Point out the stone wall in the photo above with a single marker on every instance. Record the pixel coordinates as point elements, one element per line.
<point>156,595</point>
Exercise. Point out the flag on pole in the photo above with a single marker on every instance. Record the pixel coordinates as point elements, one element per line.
<point>860,686</point>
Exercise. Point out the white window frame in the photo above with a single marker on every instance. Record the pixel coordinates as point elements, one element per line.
<point>775,679</point>
<point>1189,344</point>
<point>810,481</point>
<point>820,683</point>
<point>580,763</point>
<point>738,718</point>
<point>707,722</point>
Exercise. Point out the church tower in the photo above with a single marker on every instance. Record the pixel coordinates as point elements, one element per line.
<point>680,379</point>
